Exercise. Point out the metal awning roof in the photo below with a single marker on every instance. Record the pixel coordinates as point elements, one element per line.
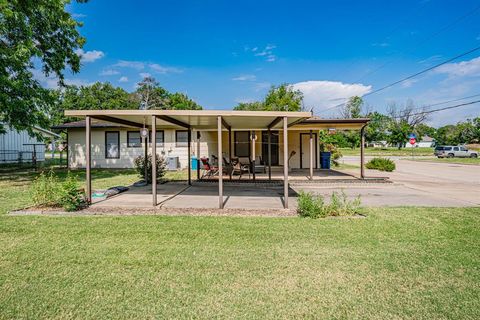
<point>195,119</point>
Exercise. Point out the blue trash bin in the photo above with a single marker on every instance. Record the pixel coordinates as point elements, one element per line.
<point>325,160</point>
<point>194,163</point>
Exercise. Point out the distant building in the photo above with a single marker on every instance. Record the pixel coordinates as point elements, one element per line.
<point>19,146</point>
<point>425,142</point>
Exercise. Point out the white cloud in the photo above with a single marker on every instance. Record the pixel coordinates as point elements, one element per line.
<point>245,77</point>
<point>381,44</point>
<point>267,52</point>
<point>145,74</point>
<point>322,95</point>
<point>51,82</point>
<point>259,86</point>
<point>89,56</point>
<point>138,65</point>
<point>408,83</point>
<point>163,69</point>
<point>123,79</point>
<point>461,69</point>
<point>109,72</point>
<point>431,59</point>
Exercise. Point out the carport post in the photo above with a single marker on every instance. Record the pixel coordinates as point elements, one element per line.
<point>269,155</point>
<point>230,149</point>
<point>189,151</point>
<point>311,155</point>
<point>88,156</point>
<point>362,152</point>
<point>253,154</point>
<point>154,160</point>
<point>220,163</point>
<point>285,162</point>
<point>198,155</point>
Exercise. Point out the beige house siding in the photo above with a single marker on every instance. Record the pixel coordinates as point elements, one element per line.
<point>208,147</point>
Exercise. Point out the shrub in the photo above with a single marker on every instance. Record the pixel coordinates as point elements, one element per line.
<point>341,206</point>
<point>139,163</point>
<point>313,206</point>
<point>71,197</point>
<point>382,164</point>
<point>310,205</point>
<point>45,189</point>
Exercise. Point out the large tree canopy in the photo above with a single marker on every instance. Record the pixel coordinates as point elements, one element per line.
<point>281,98</point>
<point>33,32</point>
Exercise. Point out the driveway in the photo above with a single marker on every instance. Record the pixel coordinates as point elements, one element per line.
<point>418,183</point>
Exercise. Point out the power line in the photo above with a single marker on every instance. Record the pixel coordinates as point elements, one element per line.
<point>422,42</point>
<point>422,72</point>
<point>442,109</point>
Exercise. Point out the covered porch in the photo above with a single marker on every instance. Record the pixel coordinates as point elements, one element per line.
<point>297,135</point>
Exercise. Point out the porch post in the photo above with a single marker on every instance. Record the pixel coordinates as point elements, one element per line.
<point>253,154</point>
<point>285,163</point>
<point>230,149</point>
<point>220,163</point>
<point>145,161</point>
<point>311,155</point>
<point>154,160</point>
<point>88,156</point>
<point>189,156</point>
<point>269,154</point>
<point>362,152</point>
<point>198,155</point>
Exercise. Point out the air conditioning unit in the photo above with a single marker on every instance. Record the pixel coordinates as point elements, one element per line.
<point>173,163</point>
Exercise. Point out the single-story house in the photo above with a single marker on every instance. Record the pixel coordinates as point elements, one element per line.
<point>424,142</point>
<point>19,146</point>
<point>112,138</point>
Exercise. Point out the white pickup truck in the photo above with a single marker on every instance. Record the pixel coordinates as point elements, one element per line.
<point>454,151</point>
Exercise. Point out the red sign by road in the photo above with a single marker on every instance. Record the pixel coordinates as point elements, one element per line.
<point>412,141</point>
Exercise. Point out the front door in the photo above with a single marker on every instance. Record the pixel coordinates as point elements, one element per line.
<point>274,147</point>
<point>305,150</point>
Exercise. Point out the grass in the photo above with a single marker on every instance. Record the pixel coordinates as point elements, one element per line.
<point>404,263</point>
<point>15,182</point>
<point>388,152</point>
<point>472,161</point>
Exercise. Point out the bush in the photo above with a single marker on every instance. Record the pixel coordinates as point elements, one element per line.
<point>313,206</point>
<point>310,205</point>
<point>49,192</point>
<point>139,163</point>
<point>382,164</point>
<point>71,197</point>
<point>341,206</point>
<point>45,189</point>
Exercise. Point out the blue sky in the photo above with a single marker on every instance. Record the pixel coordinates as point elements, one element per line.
<point>224,52</point>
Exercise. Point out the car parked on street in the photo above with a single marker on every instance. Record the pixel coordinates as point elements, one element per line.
<point>454,151</point>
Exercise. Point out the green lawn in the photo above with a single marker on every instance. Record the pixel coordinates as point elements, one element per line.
<point>395,264</point>
<point>388,152</point>
<point>15,182</point>
<point>473,161</point>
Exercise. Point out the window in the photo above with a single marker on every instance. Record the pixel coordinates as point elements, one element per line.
<point>455,148</point>
<point>463,149</point>
<point>447,148</point>
<point>242,143</point>
<point>181,138</point>
<point>160,137</point>
<point>112,144</point>
<point>134,140</point>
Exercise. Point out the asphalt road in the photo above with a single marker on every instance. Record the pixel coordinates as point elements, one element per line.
<point>417,184</point>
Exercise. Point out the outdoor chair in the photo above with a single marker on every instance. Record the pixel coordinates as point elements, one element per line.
<point>260,165</point>
<point>208,170</point>
<point>241,166</point>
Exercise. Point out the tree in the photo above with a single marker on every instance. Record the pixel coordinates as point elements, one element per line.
<point>39,31</point>
<point>180,101</point>
<point>404,120</point>
<point>150,95</point>
<point>99,96</point>
<point>281,98</point>
<point>377,127</point>
<point>252,106</point>
<point>352,109</point>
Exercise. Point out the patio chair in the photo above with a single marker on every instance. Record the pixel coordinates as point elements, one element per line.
<point>260,165</point>
<point>208,170</point>
<point>241,166</point>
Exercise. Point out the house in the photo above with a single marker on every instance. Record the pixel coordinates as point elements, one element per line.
<point>19,146</point>
<point>112,139</point>
<point>425,142</point>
